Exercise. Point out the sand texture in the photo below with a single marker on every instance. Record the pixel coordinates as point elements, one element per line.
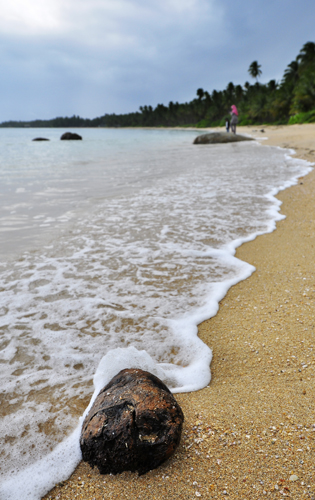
<point>251,433</point>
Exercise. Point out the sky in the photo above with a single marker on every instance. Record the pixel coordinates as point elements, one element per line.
<point>91,57</point>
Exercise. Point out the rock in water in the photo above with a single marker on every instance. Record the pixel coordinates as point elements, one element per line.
<point>70,136</point>
<point>134,424</point>
<point>220,138</point>
<point>40,139</point>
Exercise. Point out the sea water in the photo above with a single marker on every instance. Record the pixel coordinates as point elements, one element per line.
<point>112,250</point>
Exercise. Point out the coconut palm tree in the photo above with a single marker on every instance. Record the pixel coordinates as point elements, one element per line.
<point>238,92</point>
<point>272,85</point>
<point>200,93</point>
<point>254,70</point>
<point>291,74</point>
<point>207,98</point>
<point>307,53</point>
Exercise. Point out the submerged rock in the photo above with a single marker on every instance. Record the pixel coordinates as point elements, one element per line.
<point>134,424</point>
<point>40,139</point>
<point>220,138</point>
<point>70,136</point>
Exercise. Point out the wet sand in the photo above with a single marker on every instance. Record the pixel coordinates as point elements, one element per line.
<point>251,433</point>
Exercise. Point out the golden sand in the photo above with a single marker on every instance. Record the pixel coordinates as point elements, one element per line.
<point>251,433</point>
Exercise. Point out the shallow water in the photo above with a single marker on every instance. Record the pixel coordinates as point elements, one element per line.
<point>113,250</point>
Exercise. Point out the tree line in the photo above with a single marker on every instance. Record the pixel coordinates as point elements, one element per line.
<point>292,100</point>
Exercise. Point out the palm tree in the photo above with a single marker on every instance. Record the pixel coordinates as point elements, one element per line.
<point>254,70</point>
<point>272,85</point>
<point>307,53</point>
<point>200,93</point>
<point>291,74</point>
<point>238,92</point>
<point>230,87</point>
<point>207,98</point>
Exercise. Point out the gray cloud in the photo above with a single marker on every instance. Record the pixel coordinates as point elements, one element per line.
<point>88,58</point>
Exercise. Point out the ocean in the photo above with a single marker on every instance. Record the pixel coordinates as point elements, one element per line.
<point>112,250</point>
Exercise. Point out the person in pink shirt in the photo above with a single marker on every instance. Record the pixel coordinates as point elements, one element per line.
<point>234,118</point>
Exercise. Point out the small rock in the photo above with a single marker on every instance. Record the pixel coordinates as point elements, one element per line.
<point>293,478</point>
<point>70,136</point>
<point>40,139</point>
<point>134,424</point>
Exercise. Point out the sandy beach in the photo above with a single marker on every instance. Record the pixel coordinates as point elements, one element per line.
<point>251,433</point>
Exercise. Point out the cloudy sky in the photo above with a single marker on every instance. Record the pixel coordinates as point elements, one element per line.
<point>91,57</point>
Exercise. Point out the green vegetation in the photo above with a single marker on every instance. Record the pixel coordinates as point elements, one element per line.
<point>290,101</point>
<point>308,117</point>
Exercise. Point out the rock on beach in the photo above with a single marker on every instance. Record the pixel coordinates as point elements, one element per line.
<point>135,424</point>
<point>220,138</point>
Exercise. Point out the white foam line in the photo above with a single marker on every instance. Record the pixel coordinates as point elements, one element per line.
<point>35,481</point>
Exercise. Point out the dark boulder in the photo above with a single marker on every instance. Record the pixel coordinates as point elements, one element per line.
<point>220,138</point>
<point>40,139</point>
<point>134,424</point>
<point>70,136</point>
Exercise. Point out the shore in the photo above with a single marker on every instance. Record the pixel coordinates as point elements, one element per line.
<point>251,433</point>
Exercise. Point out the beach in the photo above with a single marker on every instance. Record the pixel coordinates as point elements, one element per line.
<point>251,432</point>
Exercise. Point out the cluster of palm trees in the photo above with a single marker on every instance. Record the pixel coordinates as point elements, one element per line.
<point>273,102</point>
